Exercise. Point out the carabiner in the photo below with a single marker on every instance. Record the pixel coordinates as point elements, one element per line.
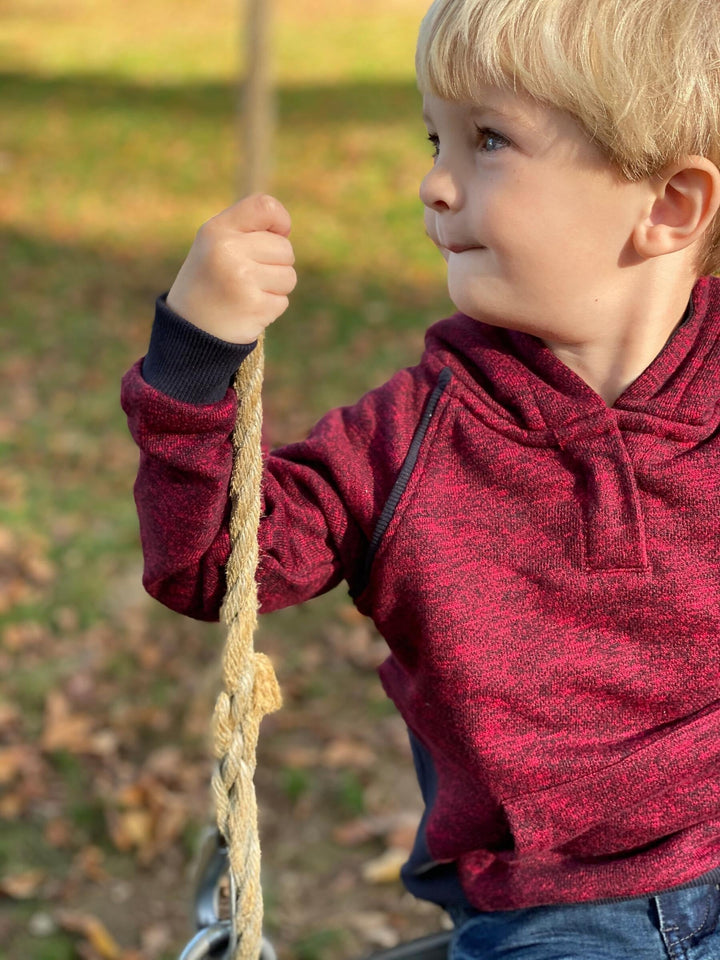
<point>213,943</point>
<point>216,938</point>
<point>209,944</point>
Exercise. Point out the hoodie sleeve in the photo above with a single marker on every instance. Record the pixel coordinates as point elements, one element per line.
<point>321,496</point>
<point>181,494</point>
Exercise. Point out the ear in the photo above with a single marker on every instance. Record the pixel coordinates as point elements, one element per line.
<point>686,197</point>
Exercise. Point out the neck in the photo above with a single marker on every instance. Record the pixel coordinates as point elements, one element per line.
<point>628,342</point>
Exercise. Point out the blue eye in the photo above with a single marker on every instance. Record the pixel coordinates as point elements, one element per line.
<point>490,140</point>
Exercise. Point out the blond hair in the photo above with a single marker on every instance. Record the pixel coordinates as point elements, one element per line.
<point>641,77</point>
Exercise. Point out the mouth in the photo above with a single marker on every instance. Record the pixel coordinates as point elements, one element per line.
<point>462,247</point>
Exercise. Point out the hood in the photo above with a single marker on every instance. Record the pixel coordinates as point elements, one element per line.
<point>522,388</point>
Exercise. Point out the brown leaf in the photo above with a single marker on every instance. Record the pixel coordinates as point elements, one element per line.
<point>89,861</point>
<point>22,886</point>
<point>12,806</point>
<point>397,829</point>
<point>21,636</point>
<point>355,832</point>
<point>131,829</point>
<point>15,760</point>
<point>93,929</point>
<point>64,730</point>
<point>301,758</point>
<point>344,752</point>
<point>9,715</point>
<point>13,591</point>
<point>386,867</point>
<point>148,817</point>
<point>58,832</point>
<point>12,485</point>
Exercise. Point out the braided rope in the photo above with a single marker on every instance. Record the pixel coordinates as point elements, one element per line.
<point>249,686</point>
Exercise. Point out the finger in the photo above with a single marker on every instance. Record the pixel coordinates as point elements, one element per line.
<point>257,212</point>
<point>276,280</point>
<point>270,248</point>
<point>275,305</point>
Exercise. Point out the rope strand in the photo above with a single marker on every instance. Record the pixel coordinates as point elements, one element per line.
<point>250,688</point>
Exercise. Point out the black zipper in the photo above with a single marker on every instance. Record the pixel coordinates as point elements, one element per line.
<point>403,477</point>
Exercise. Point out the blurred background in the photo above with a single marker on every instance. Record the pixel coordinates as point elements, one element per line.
<point>119,136</point>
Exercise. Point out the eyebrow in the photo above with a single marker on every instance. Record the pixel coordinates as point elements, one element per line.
<point>495,112</point>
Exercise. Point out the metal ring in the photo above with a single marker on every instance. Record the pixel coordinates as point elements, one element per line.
<point>213,943</point>
<point>208,943</point>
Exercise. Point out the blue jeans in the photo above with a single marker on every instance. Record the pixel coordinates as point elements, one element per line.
<point>679,925</point>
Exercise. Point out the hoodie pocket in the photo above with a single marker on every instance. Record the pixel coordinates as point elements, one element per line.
<point>651,792</point>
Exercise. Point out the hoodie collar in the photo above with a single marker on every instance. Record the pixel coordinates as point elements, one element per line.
<point>520,384</point>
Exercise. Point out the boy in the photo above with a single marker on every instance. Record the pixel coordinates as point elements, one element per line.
<point>529,515</point>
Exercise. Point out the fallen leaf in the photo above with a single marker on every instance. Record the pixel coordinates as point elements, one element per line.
<point>21,636</point>
<point>147,817</point>
<point>13,760</point>
<point>386,867</point>
<point>375,928</point>
<point>355,832</point>
<point>22,886</point>
<point>93,929</point>
<point>58,832</point>
<point>89,861</point>
<point>342,752</point>
<point>11,806</point>
<point>301,758</point>
<point>9,715</point>
<point>397,829</point>
<point>131,829</point>
<point>64,730</point>
<point>12,485</point>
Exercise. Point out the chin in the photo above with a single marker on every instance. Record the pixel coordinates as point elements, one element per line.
<point>498,317</point>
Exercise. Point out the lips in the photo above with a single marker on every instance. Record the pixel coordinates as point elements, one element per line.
<point>462,247</point>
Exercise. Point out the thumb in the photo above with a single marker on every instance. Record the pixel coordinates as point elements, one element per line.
<point>257,212</point>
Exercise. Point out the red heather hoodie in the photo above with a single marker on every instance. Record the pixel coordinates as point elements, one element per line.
<point>545,571</point>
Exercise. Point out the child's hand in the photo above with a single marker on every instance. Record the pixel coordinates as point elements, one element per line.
<point>238,274</point>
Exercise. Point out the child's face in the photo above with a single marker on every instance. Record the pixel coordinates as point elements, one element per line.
<point>533,221</point>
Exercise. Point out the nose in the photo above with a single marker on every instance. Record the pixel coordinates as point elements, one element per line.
<point>439,190</point>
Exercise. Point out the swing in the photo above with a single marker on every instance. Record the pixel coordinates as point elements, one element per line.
<point>249,691</point>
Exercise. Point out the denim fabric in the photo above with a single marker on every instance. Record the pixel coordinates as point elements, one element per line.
<point>678,925</point>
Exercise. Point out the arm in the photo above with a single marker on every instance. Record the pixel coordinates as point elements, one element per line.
<point>181,413</point>
<point>307,538</point>
<point>321,497</point>
<point>181,493</point>
<point>233,284</point>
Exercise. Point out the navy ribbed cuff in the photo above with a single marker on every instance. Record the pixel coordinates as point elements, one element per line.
<point>187,363</point>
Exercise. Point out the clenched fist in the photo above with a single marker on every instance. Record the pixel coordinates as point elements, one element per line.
<point>239,272</point>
